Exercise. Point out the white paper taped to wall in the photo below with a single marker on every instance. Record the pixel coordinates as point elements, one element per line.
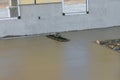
<point>9,9</point>
<point>75,6</point>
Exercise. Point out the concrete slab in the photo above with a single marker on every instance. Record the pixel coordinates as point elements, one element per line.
<point>40,58</point>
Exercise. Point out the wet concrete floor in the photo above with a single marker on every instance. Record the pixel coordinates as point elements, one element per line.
<point>40,58</point>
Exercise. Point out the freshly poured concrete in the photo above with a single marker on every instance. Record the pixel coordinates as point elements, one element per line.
<point>40,58</point>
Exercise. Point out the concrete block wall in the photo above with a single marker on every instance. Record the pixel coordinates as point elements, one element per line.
<point>103,13</point>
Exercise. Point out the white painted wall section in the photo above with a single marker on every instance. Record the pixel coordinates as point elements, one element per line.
<point>102,14</point>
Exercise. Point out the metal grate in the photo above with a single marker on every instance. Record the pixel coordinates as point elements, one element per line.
<point>58,37</point>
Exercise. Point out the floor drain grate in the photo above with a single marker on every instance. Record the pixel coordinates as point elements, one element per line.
<point>58,38</point>
<point>112,44</point>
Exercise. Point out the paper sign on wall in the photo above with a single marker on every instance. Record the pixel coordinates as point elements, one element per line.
<point>9,9</point>
<point>75,6</point>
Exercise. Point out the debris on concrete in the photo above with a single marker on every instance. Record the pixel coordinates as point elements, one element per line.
<point>112,44</point>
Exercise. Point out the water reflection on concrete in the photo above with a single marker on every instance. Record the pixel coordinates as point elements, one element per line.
<point>40,58</point>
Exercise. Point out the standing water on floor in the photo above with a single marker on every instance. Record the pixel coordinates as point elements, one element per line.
<point>41,58</point>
